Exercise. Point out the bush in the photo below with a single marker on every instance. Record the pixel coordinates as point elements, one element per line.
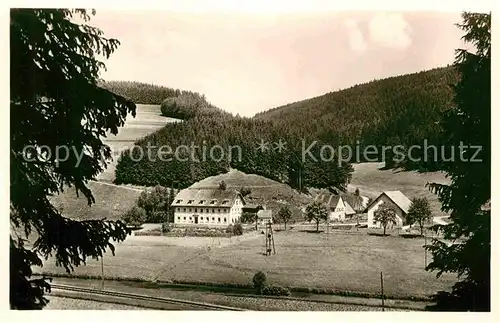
<point>276,290</point>
<point>237,229</point>
<point>147,233</point>
<point>230,229</point>
<point>155,203</point>
<point>244,191</point>
<point>135,217</point>
<point>165,227</point>
<point>259,281</point>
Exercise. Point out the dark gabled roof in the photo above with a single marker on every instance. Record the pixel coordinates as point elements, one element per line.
<point>329,200</point>
<point>253,207</point>
<point>205,197</point>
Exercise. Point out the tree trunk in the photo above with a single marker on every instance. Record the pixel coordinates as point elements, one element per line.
<point>317,226</point>
<point>285,225</point>
<point>384,229</point>
<point>422,229</point>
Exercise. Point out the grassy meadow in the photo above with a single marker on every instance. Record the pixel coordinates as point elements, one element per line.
<point>348,261</point>
<point>111,201</point>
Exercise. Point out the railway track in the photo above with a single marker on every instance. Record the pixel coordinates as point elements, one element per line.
<point>108,296</point>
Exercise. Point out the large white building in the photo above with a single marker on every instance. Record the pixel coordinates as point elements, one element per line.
<point>207,206</point>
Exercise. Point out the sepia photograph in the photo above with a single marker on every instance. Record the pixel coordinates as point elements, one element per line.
<point>250,160</point>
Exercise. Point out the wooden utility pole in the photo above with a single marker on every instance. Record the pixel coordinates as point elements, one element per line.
<point>102,272</point>
<point>425,250</point>
<point>382,289</point>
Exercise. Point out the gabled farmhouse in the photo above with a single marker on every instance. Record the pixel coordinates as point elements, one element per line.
<point>397,200</point>
<point>334,204</point>
<point>207,206</point>
<point>350,204</point>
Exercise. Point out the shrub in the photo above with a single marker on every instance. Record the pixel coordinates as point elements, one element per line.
<point>136,216</point>
<point>244,191</point>
<point>165,227</point>
<point>155,202</point>
<point>147,233</point>
<point>259,281</point>
<point>230,229</point>
<point>237,229</point>
<point>276,290</point>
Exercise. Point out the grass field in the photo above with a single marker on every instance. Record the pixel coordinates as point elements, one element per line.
<point>349,261</point>
<point>111,202</point>
<point>372,180</point>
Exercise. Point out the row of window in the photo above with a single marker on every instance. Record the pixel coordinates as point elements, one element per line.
<point>201,210</point>
<point>207,219</point>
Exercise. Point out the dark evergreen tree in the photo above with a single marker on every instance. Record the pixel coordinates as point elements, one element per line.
<point>467,196</point>
<point>55,101</point>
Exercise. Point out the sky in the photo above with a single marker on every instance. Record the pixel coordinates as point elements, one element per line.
<point>250,62</point>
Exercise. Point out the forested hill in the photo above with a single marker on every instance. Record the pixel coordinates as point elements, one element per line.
<point>143,93</point>
<point>175,103</point>
<point>403,110</point>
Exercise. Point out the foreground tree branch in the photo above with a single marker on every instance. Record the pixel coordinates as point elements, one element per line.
<point>55,102</point>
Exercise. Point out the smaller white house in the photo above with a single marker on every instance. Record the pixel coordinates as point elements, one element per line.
<point>335,205</point>
<point>265,216</point>
<point>395,199</point>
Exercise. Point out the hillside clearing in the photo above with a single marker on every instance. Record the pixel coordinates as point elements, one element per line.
<point>111,201</point>
<point>148,119</point>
